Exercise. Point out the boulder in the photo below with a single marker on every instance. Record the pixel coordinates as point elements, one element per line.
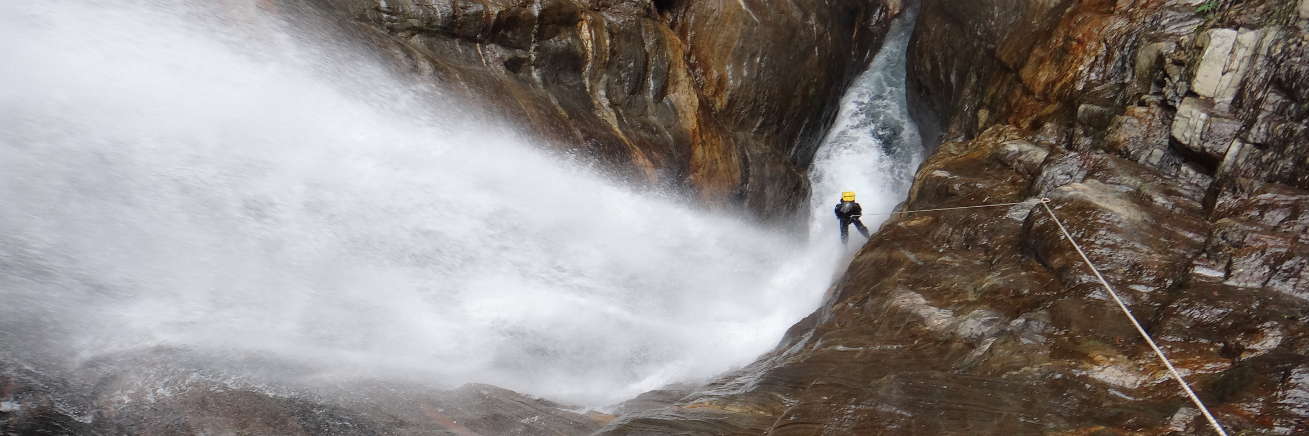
<point>1200,131</point>
<point>1226,58</point>
<point>1213,75</point>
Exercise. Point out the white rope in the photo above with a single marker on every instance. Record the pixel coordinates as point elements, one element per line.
<point>1186,387</point>
<point>946,208</point>
<point>1045,202</point>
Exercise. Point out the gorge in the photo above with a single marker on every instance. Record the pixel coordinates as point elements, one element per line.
<point>601,216</point>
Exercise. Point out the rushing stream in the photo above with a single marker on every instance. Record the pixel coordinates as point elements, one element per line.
<point>173,178</point>
<point>874,147</point>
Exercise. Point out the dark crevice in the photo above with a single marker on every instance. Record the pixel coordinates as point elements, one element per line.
<point>665,6</point>
<point>1203,163</point>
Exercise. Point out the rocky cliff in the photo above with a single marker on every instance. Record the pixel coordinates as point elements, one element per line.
<point>1169,135</point>
<point>726,100</point>
<point>1170,138</point>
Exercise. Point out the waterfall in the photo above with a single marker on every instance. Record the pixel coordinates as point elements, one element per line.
<point>874,147</point>
<point>180,177</point>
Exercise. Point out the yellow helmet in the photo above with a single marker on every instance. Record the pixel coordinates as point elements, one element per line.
<point>847,196</point>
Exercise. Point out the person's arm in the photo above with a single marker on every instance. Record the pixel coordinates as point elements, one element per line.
<point>858,210</point>
<point>837,209</point>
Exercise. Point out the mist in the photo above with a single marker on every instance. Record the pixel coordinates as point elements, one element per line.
<point>174,177</point>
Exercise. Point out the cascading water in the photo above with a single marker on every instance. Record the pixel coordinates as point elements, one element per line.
<point>167,181</point>
<point>874,147</point>
<point>170,178</point>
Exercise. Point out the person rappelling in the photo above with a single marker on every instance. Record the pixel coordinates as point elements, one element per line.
<point>848,212</point>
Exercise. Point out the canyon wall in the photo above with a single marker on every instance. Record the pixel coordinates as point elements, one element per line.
<point>1170,139</point>
<point>725,100</point>
<point>1168,135</point>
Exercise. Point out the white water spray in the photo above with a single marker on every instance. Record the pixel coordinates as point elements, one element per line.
<point>168,180</point>
<point>874,148</point>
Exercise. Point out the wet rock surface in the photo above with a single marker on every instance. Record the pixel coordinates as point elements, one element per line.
<point>167,391</point>
<point>726,99</point>
<point>1170,139</point>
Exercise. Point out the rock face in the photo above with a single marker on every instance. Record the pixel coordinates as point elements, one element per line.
<point>1169,135</point>
<point>1170,138</point>
<point>726,99</point>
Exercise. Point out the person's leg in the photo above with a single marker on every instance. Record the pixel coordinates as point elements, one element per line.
<point>860,225</point>
<point>845,230</point>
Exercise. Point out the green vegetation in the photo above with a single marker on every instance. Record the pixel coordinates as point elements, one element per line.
<point>1208,7</point>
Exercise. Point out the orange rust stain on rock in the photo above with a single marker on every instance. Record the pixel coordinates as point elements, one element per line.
<point>710,51</point>
<point>714,167</point>
<point>1057,68</point>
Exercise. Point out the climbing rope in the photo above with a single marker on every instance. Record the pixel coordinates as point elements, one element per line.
<point>945,208</point>
<point>1045,202</point>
